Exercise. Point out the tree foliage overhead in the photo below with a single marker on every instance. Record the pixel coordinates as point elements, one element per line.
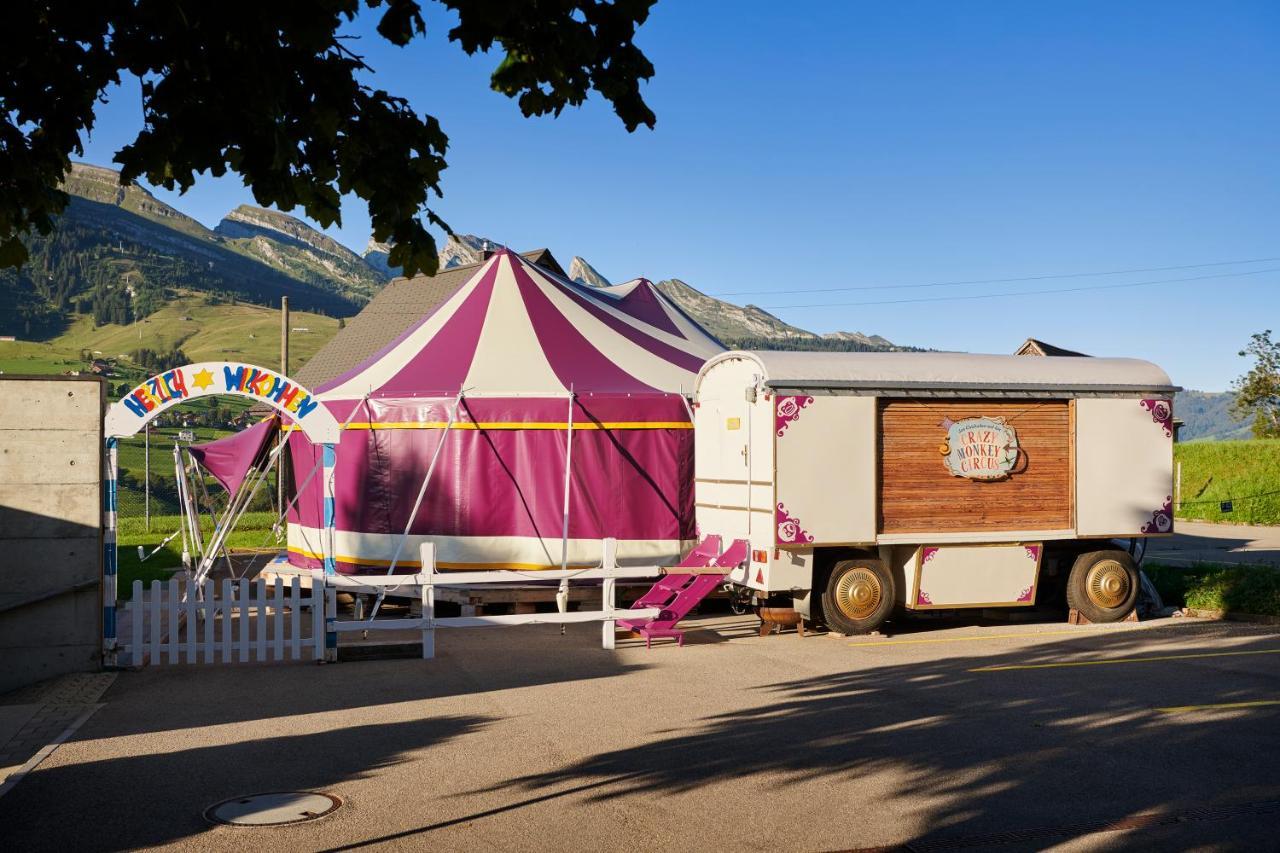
<point>1258,391</point>
<point>274,92</point>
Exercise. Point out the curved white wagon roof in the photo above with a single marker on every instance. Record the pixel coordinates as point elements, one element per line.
<point>949,373</point>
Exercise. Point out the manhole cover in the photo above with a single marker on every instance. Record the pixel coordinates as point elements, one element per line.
<point>272,809</point>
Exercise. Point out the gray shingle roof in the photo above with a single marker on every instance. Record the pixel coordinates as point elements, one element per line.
<point>400,304</point>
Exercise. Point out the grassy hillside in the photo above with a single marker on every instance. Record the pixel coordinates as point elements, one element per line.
<point>1244,472</point>
<point>118,254</point>
<point>19,357</point>
<point>204,332</point>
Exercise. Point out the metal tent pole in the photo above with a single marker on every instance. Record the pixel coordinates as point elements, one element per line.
<point>236,508</point>
<point>329,458</point>
<point>562,594</point>
<point>208,505</point>
<point>417,503</point>
<point>284,371</point>
<point>183,522</point>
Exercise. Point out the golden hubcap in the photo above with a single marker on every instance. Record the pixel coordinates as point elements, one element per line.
<point>858,593</point>
<point>1107,584</point>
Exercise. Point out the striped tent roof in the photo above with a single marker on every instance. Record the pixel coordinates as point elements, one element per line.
<point>521,330</point>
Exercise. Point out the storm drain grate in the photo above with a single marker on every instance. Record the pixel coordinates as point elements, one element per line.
<point>275,808</point>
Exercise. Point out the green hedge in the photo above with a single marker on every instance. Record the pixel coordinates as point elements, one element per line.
<point>1251,589</point>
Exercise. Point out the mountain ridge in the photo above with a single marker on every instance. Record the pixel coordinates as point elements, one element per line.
<point>751,327</point>
<point>296,249</point>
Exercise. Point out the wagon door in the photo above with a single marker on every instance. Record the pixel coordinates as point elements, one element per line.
<point>722,462</point>
<point>733,456</point>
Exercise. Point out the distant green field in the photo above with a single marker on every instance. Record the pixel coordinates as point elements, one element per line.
<point>21,357</point>
<point>252,533</point>
<point>1247,473</point>
<point>204,332</point>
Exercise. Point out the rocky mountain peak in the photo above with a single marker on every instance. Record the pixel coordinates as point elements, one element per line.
<point>376,255</point>
<point>249,221</point>
<point>585,274</point>
<point>462,249</point>
<point>102,185</point>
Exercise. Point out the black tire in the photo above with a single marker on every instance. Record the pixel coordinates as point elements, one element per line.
<point>1103,585</point>
<point>859,596</point>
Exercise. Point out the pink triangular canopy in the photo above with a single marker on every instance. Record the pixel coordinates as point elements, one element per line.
<point>229,459</point>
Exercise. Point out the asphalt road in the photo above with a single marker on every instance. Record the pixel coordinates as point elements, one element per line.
<point>945,735</point>
<point>1198,541</point>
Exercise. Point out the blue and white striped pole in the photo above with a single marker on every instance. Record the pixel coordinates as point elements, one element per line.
<point>329,459</point>
<point>109,565</point>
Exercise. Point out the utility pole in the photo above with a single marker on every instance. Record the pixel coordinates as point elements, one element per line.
<point>284,371</point>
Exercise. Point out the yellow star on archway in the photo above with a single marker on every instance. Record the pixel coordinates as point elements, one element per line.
<point>203,379</point>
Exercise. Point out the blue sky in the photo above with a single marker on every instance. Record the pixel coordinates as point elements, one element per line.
<point>812,146</point>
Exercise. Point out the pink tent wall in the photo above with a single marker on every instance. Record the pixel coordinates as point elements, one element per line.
<point>515,339</point>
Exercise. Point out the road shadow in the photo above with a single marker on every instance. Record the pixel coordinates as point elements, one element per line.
<point>982,745</point>
<point>1186,548</point>
<point>992,743</point>
<point>173,788</point>
<point>468,661</point>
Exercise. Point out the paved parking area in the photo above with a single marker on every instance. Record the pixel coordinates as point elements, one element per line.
<point>941,735</point>
<point>1198,541</point>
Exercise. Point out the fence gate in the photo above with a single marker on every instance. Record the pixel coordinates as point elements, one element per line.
<point>227,622</point>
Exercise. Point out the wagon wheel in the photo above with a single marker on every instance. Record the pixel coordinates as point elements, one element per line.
<point>1103,585</point>
<point>859,596</point>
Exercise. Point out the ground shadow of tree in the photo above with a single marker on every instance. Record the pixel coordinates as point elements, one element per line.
<point>977,745</point>
<point>991,749</point>
<point>180,697</point>
<point>180,784</point>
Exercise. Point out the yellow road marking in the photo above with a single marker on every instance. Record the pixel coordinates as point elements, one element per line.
<point>1105,661</point>
<point>1182,709</point>
<point>1075,631</point>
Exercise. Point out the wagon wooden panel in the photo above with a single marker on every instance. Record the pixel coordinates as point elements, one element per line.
<point>918,494</point>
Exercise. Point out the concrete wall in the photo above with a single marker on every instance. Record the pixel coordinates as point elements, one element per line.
<point>50,527</point>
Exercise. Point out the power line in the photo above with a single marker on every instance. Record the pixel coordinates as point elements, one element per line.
<point>1022,292</point>
<point>993,280</point>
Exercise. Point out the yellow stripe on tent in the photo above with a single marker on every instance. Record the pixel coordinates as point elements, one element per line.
<point>417,564</point>
<point>512,425</point>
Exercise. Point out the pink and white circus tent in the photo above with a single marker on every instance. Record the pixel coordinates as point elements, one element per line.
<point>508,351</point>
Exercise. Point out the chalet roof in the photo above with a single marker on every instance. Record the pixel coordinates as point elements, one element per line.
<point>1033,346</point>
<point>926,372</point>
<point>399,305</point>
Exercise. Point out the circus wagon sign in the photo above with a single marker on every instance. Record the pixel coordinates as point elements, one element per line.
<point>980,448</point>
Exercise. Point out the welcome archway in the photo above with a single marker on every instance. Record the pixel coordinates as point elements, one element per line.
<point>162,392</point>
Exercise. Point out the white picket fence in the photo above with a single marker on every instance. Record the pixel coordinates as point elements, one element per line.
<point>423,586</point>
<point>176,622</point>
